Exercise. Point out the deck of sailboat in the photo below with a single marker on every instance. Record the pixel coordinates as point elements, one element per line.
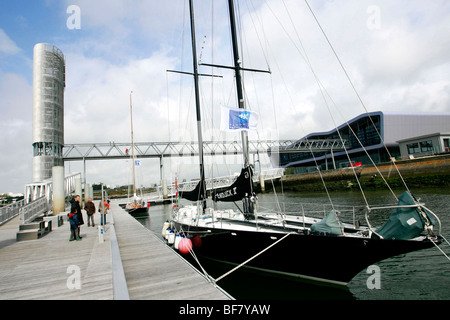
<point>263,222</point>
<point>232,236</point>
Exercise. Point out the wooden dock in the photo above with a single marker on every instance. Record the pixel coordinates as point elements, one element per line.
<point>54,268</point>
<point>131,263</point>
<point>153,270</point>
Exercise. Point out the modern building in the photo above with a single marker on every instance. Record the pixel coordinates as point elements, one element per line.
<point>48,110</point>
<point>366,133</point>
<point>428,144</point>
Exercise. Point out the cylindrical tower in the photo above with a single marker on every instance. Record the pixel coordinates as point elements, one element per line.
<point>48,109</point>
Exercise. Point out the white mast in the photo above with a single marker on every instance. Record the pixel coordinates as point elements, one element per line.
<point>132,150</point>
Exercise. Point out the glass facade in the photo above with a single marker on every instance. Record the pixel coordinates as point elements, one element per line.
<point>362,132</point>
<point>413,148</point>
<point>426,146</point>
<point>420,147</point>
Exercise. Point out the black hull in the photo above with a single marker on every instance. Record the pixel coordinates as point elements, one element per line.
<point>335,260</point>
<point>138,212</point>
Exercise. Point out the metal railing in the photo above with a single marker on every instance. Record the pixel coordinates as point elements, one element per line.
<point>10,211</point>
<point>36,190</point>
<point>34,209</point>
<point>114,150</point>
<point>220,182</point>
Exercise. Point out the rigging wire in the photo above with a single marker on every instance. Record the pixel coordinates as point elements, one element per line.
<point>293,104</point>
<point>356,91</point>
<point>250,259</point>
<point>364,149</point>
<point>266,53</point>
<point>194,256</point>
<point>323,90</point>
<point>182,60</point>
<point>308,62</point>
<point>212,85</point>
<point>303,54</point>
<point>441,250</point>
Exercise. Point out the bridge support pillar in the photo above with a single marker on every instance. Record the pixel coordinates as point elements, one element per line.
<point>164,188</point>
<point>87,192</point>
<point>262,183</point>
<point>58,190</point>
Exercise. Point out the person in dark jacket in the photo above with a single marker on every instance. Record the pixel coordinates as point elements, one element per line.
<point>89,206</point>
<point>75,207</point>
<point>74,230</point>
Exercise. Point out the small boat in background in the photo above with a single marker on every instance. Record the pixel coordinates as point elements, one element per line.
<point>135,206</point>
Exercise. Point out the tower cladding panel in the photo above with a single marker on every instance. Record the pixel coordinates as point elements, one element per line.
<point>48,110</point>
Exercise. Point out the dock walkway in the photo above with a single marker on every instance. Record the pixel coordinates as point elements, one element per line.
<point>53,268</point>
<point>153,270</point>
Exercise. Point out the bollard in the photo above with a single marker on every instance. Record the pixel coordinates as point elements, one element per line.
<point>100,234</point>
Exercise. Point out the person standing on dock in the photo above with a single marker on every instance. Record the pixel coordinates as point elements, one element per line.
<point>74,227</point>
<point>75,207</point>
<point>103,209</point>
<point>90,210</point>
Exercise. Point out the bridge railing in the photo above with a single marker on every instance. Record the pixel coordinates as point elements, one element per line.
<point>115,150</point>
<point>27,211</point>
<point>221,182</point>
<point>34,209</point>
<point>10,211</point>
<point>34,191</point>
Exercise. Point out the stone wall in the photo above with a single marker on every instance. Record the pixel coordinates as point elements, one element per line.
<point>422,172</point>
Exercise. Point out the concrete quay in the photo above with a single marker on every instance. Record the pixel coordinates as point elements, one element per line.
<point>430,171</point>
<point>132,263</point>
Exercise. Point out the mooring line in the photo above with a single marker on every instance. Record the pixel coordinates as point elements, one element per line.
<point>441,250</point>
<point>248,260</point>
<point>445,239</point>
<point>194,256</point>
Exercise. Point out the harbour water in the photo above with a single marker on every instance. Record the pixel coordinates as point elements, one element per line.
<point>421,275</point>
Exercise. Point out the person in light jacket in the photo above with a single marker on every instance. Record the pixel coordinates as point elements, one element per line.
<point>103,209</point>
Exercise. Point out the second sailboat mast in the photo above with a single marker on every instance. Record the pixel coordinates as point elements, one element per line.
<point>132,150</point>
<point>237,68</point>
<point>197,104</point>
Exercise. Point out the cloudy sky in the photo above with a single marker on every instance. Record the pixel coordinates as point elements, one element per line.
<point>395,52</point>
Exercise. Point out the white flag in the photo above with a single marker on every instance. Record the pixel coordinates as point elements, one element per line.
<point>233,119</point>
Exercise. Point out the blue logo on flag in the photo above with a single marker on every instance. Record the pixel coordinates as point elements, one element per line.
<point>239,119</point>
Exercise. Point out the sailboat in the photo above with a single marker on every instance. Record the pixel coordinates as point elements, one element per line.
<point>136,206</point>
<point>325,250</point>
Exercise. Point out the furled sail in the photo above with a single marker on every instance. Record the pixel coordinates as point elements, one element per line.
<point>196,194</point>
<point>241,188</point>
<point>329,225</point>
<point>406,222</point>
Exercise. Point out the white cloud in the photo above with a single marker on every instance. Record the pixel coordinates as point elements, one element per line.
<point>127,20</point>
<point>401,64</point>
<point>7,46</point>
<point>15,128</point>
<point>97,100</point>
